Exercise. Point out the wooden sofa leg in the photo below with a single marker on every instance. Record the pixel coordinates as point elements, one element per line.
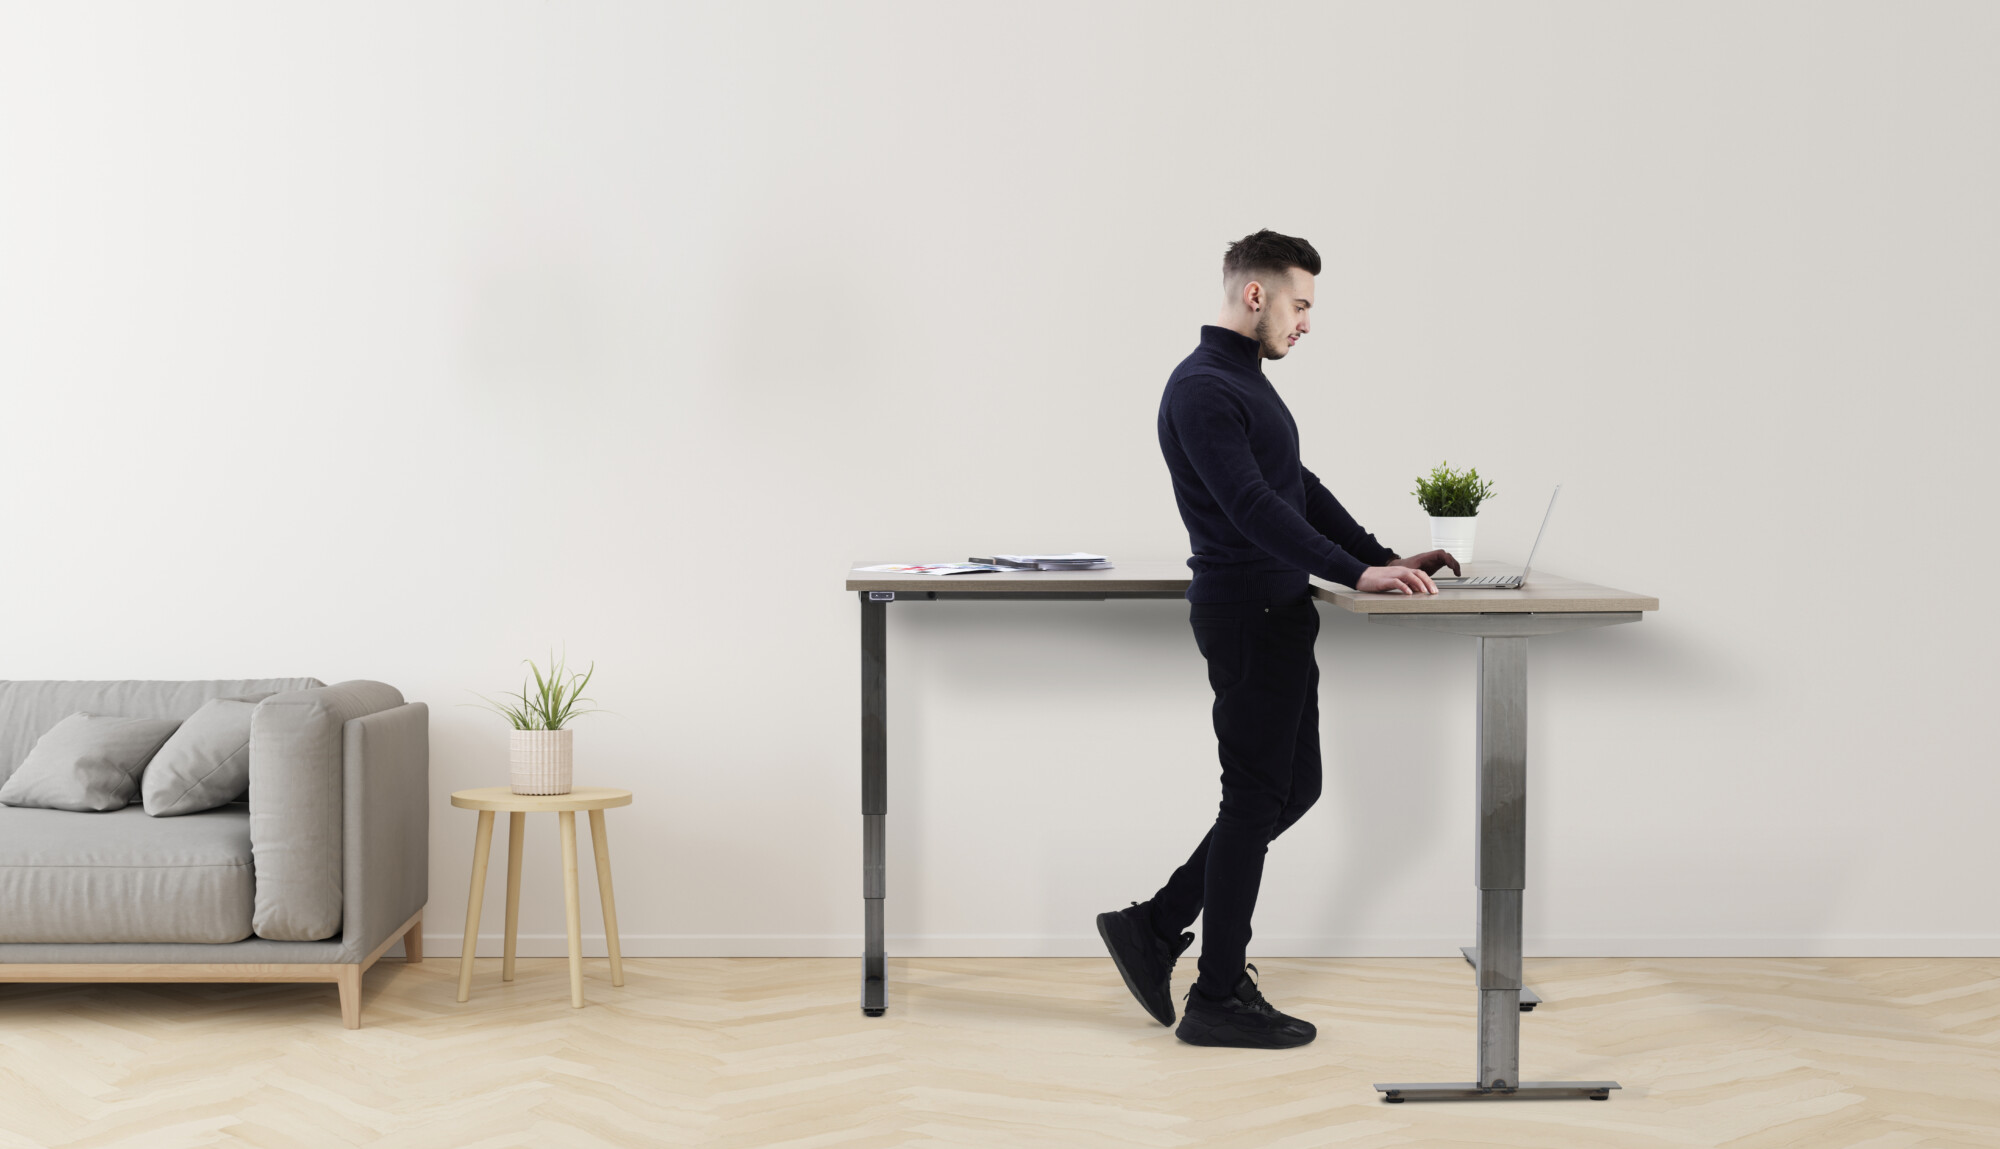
<point>413,942</point>
<point>350,996</point>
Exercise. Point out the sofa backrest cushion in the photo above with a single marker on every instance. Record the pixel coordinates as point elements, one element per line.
<point>296,781</point>
<point>29,710</point>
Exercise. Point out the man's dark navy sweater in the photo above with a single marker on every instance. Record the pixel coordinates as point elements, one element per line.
<point>1258,521</point>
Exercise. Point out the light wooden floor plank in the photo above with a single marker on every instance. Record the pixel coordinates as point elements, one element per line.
<point>1044,1052</point>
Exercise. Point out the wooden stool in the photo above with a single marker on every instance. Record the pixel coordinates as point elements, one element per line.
<point>489,799</point>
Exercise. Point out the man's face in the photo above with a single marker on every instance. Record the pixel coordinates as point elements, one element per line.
<point>1286,312</point>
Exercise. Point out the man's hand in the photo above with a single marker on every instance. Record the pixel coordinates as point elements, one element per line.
<point>1429,562</point>
<point>1395,579</point>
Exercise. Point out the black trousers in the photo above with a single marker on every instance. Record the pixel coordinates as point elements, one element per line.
<point>1266,683</point>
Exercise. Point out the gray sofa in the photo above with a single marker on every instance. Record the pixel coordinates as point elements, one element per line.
<point>311,880</point>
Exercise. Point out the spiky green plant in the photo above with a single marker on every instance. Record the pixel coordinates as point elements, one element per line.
<point>1446,493</point>
<point>552,702</point>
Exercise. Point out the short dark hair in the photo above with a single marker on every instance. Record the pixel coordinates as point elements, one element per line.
<point>1267,251</point>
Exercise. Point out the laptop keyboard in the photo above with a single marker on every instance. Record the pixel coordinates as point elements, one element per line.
<point>1482,580</point>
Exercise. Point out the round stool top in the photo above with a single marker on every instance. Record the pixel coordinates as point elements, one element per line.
<point>504,798</point>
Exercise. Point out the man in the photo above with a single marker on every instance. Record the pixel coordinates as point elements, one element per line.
<point>1258,523</point>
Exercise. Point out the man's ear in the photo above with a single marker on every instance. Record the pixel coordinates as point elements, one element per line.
<point>1253,295</point>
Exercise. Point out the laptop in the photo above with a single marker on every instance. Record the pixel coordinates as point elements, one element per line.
<point>1505,582</point>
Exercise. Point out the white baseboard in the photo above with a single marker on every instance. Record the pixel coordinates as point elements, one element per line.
<point>1826,946</point>
<point>1023,945</point>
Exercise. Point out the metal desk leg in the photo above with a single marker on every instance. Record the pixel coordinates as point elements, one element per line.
<point>1529,998</point>
<point>1502,859</point>
<point>874,795</point>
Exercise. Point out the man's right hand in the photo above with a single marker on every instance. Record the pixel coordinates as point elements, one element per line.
<point>1395,580</point>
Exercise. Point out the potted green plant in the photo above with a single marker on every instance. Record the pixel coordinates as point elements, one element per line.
<point>540,751</point>
<point>1451,498</point>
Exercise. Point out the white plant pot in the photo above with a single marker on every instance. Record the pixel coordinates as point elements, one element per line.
<point>1454,535</point>
<point>541,761</point>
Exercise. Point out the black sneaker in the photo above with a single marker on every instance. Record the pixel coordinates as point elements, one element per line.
<point>1243,1020</point>
<point>1144,959</point>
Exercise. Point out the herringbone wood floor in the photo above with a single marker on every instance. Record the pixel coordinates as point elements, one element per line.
<point>1828,1054</point>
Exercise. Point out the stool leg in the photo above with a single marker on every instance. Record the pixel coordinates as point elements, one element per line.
<point>602,848</point>
<point>571,909</point>
<point>517,826</point>
<point>482,844</point>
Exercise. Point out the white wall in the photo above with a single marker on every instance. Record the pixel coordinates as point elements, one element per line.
<point>405,341</point>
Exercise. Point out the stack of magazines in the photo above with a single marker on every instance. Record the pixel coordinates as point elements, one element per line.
<point>1074,561</point>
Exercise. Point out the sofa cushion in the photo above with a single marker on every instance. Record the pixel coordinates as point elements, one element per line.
<point>87,762</point>
<point>29,709</point>
<point>297,778</point>
<point>205,764</point>
<point>124,877</point>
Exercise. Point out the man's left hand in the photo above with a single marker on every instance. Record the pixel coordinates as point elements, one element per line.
<point>1429,562</point>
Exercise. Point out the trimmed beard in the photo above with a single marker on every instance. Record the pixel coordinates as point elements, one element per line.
<point>1264,326</point>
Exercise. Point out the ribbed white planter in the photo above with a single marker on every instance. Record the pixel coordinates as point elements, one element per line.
<point>1454,535</point>
<point>541,761</point>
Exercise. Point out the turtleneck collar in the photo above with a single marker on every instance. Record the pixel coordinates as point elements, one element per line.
<point>1238,347</point>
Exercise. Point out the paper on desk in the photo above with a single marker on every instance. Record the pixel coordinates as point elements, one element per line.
<point>1074,557</point>
<point>931,568</point>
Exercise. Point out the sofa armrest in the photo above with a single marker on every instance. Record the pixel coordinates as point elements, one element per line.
<point>387,824</point>
<point>297,767</point>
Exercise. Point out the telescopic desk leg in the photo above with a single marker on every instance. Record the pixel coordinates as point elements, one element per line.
<point>1502,854</point>
<point>1502,860</point>
<point>1529,998</point>
<point>874,800</point>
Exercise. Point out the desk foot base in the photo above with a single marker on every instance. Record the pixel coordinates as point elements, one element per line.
<point>1396,1094</point>
<point>874,996</point>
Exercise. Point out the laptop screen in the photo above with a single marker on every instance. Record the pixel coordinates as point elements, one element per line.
<point>1540,533</point>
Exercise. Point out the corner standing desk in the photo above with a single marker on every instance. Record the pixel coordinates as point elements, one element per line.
<point>1502,621</point>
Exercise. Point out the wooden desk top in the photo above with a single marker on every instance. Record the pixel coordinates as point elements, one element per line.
<point>1141,576</point>
<point>1544,594</point>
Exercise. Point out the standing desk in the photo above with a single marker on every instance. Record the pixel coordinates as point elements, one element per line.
<point>1502,621</point>
<point>1154,579</point>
